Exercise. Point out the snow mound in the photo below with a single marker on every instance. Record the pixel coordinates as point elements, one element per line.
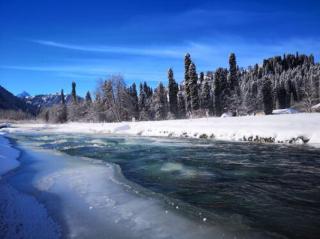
<point>8,156</point>
<point>123,127</point>
<point>225,115</point>
<point>316,107</point>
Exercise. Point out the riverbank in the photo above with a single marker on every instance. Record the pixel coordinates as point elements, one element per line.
<point>21,215</point>
<point>8,156</point>
<point>291,128</point>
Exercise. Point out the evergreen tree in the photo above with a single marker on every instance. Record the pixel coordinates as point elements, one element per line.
<point>88,98</point>
<point>221,91</point>
<point>160,103</point>
<point>193,86</point>
<point>187,63</point>
<point>62,114</point>
<point>109,102</point>
<point>181,105</point>
<point>143,103</point>
<point>233,81</point>
<point>206,98</point>
<point>147,90</point>
<point>201,78</point>
<point>217,92</point>
<point>135,100</point>
<point>63,101</point>
<point>200,89</point>
<point>282,94</point>
<point>267,96</point>
<point>142,97</point>
<point>73,93</point>
<point>234,99</point>
<point>251,100</point>
<point>173,91</point>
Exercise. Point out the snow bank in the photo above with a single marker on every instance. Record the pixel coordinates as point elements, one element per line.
<point>8,156</point>
<point>316,107</point>
<point>21,216</point>
<point>4,125</point>
<point>285,111</point>
<point>283,128</point>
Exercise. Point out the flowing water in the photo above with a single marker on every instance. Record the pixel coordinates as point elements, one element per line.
<point>270,188</point>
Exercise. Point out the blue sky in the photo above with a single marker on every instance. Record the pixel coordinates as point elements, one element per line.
<point>46,44</point>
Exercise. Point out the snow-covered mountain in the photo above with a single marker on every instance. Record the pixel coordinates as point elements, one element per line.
<point>32,104</point>
<point>48,100</point>
<point>23,94</point>
<point>8,101</point>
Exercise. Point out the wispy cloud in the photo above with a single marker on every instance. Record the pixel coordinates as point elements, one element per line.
<point>146,51</point>
<point>89,72</point>
<point>57,68</point>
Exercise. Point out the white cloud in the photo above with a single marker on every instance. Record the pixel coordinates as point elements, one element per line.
<point>147,51</point>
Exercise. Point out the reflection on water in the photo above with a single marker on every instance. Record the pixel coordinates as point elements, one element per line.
<point>275,188</point>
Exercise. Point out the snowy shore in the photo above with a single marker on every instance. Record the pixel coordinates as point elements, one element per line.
<point>16,208</point>
<point>290,128</point>
<point>8,156</point>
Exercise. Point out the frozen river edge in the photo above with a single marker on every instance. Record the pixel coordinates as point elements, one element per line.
<point>82,198</point>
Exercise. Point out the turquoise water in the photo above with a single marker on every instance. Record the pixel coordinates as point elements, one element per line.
<point>271,188</point>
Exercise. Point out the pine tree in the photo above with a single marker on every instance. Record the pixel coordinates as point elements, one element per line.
<point>267,96</point>
<point>73,93</point>
<point>143,103</point>
<point>173,91</point>
<point>147,90</point>
<point>109,102</point>
<point>187,63</point>
<point>142,97</point>
<point>281,95</point>
<point>201,78</point>
<point>88,98</point>
<point>217,92</point>
<point>160,103</point>
<point>221,91</point>
<point>62,114</point>
<point>193,86</point>
<point>233,81</point>
<point>135,100</point>
<point>63,101</point>
<point>200,89</point>
<point>234,99</point>
<point>181,105</point>
<point>206,98</point>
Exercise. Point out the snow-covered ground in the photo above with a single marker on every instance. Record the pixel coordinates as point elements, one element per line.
<point>283,128</point>
<point>8,156</point>
<point>21,216</point>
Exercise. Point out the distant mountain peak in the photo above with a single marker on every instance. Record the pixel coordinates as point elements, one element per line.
<point>23,94</point>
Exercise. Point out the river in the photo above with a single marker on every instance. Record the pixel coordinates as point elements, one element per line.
<point>202,188</point>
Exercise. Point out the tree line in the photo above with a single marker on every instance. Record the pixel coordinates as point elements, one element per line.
<point>280,82</point>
